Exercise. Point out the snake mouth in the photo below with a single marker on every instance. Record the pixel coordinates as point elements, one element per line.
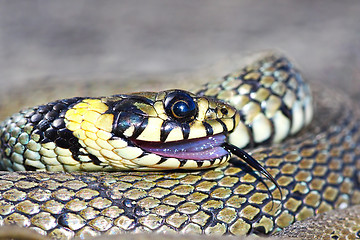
<point>199,149</point>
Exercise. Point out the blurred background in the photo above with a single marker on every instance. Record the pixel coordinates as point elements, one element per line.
<point>87,39</point>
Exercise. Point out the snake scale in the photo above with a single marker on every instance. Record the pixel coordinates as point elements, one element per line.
<point>316,170</point>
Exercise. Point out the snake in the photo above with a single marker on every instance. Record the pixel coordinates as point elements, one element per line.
<point>173,161</point>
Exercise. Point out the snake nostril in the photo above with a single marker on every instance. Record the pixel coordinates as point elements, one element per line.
<point>224,111</point>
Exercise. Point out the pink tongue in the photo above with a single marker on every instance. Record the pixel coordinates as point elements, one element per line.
<point>196,149</point>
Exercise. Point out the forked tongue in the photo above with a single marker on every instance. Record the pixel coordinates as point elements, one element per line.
<point>196,149</point>
<point>252,162</point>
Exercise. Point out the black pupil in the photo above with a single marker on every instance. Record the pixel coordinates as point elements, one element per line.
<point>181,109</point>
<point>180,105</point>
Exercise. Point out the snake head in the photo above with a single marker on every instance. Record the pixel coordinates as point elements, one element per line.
<point>174,129</point>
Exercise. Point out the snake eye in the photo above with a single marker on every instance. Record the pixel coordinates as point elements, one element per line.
<point>180,105</point>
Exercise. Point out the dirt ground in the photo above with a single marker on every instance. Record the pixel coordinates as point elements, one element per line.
<point>108,38</point>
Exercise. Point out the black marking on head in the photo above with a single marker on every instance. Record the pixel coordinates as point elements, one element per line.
<point>124,120</point>
<point>185,128</point>
<point>182,162</point>
<point>222,159</point>
<point>209,129</point>
<point>162,160</point>
<point>94,159</point>
<point>62,137</point>
<point>234,123</point>
<point>77,151</point>
<point>143,154</point>
<point>125,106</point>
<point>140,128</point>
<point>129,97</point>
<point>60,142</point>
<point>65,133</point>
<point>212,161</point>
<point>223,125</point>
<point>166,127</point>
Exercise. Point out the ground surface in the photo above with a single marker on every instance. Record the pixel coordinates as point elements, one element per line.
<point>109,38</point>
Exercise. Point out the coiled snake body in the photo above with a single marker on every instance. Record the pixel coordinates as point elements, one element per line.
<point>183,133</point>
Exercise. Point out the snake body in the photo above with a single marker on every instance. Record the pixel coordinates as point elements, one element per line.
<point>316,170</point>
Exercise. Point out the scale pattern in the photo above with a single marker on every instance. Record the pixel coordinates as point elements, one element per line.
<point>273,101</point>
<point>317,175</point>
<point>317,172</point>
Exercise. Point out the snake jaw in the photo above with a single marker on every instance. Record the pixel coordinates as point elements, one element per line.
<point>174,129</point>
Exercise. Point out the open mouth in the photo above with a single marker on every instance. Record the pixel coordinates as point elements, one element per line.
<point>199,149</point>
